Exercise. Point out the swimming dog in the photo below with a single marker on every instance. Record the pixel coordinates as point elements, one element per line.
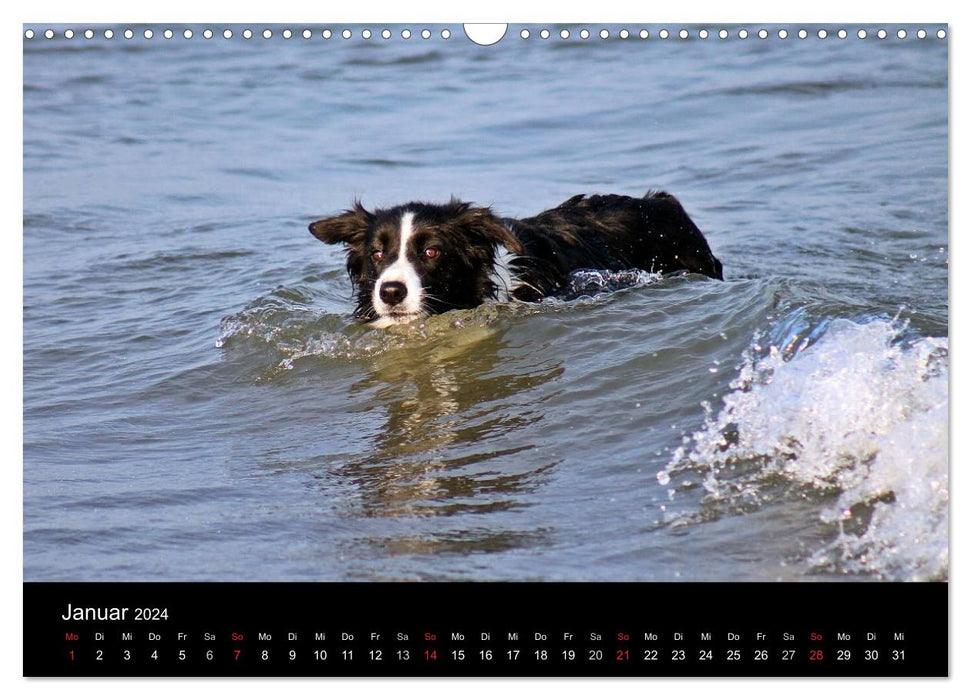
<point>418,258</point>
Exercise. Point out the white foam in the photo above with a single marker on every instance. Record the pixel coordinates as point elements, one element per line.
<point>590,282</point>
<point>859,412</point>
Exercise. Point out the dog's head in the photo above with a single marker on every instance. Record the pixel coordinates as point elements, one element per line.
<point>418,259</point>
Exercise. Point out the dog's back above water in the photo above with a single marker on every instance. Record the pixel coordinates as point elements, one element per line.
<point>418,258</point>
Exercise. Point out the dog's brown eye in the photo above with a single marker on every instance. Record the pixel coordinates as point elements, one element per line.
<point>431,253</point>
<point>377,255</point>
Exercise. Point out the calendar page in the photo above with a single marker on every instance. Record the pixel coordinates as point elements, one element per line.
<point>485,350</point>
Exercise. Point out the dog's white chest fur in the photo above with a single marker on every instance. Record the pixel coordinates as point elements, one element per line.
<point>502,274</point>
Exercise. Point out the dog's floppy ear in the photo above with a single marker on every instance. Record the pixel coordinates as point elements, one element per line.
<point>484,222</point>
<point>348,228</point>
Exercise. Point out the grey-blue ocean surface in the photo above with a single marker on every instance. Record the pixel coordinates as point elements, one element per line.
<point>200,405</point>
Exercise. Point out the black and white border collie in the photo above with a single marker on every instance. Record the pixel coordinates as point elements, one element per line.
<point>417,259</point>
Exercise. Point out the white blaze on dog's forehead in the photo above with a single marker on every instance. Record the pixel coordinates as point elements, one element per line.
<point>401,270</point>
<point>405,231</point>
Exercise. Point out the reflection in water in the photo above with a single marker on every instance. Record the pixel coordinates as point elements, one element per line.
<point>478,540</point>
<point>448,446</point>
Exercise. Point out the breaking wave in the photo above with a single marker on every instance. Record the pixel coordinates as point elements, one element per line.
<point>852,416</point>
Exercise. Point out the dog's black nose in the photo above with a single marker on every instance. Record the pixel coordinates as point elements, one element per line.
<point>393,293</point>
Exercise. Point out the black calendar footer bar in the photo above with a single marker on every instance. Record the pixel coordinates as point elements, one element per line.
<point>485,629</point>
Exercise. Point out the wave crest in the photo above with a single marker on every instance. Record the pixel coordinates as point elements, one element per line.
<point>859,418</point>
<point>287,323</point>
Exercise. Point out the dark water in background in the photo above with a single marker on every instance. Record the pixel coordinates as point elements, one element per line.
<point>199,405</point>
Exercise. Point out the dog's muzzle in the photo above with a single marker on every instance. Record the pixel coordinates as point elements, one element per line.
<point>393,293</point>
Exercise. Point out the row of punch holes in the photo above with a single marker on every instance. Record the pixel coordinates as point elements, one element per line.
<point>524,34</point>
